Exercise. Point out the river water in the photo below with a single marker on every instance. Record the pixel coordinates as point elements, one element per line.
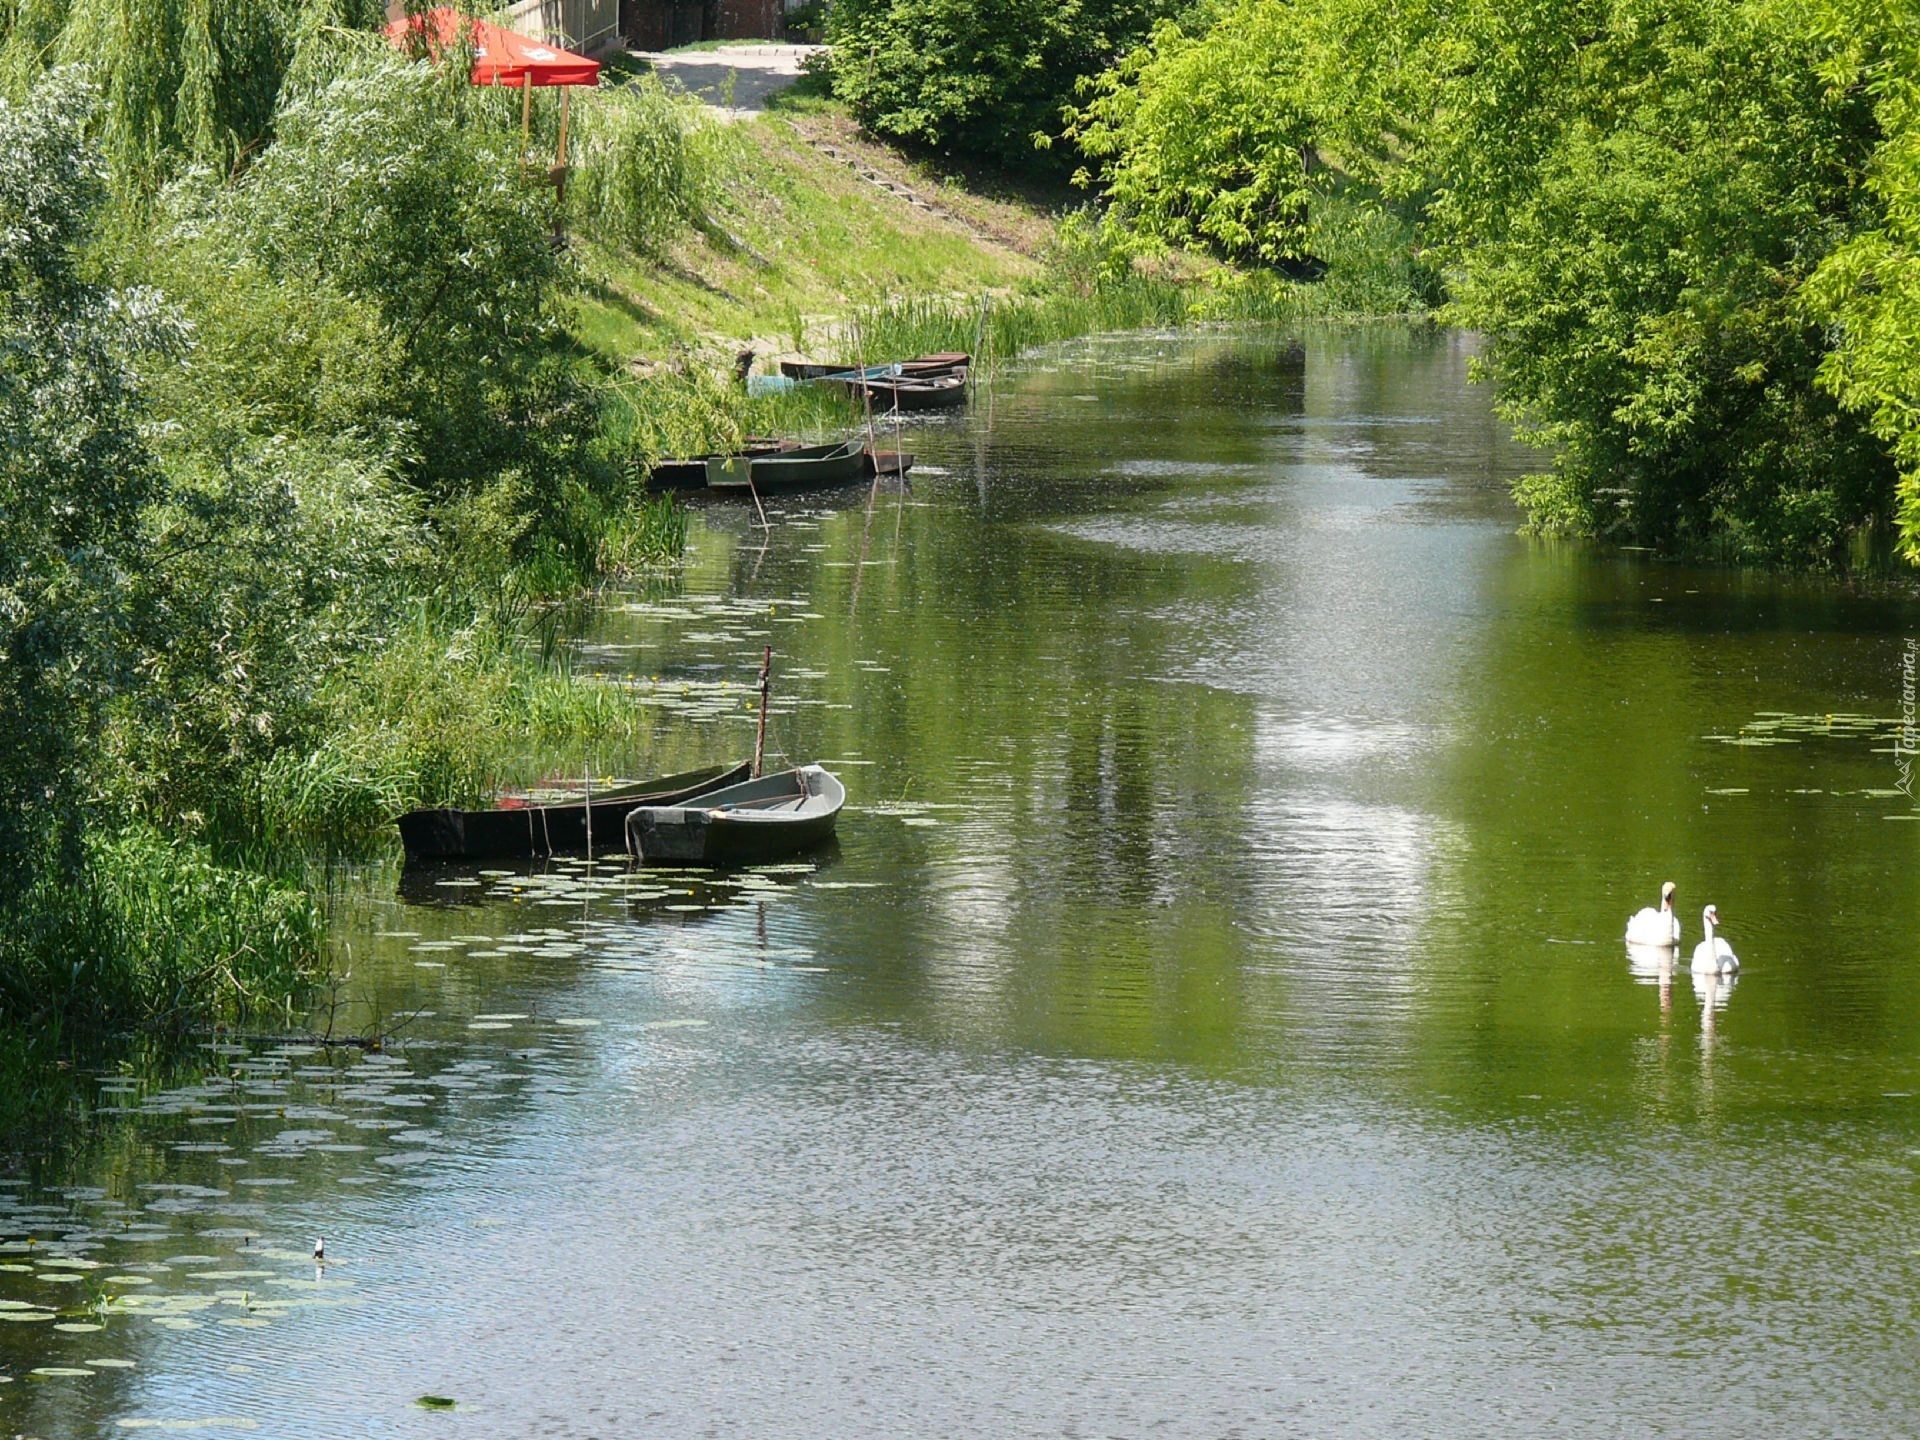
<point>1212,1020</point>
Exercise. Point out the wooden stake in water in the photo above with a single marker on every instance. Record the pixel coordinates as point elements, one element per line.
<point>766,680</point>
<point>589,814</point>
<point>751,490</point>
<point>980,326</point>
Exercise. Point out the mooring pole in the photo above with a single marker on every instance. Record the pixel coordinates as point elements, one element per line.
<point>980,328</point>
<point>760,739</point>
<point>589,814</point>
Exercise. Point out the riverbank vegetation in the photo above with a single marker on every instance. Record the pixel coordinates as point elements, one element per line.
<point>299,443</point>
<point>1685,230</point>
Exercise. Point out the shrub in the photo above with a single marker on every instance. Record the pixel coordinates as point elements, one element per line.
<point>985,77</point>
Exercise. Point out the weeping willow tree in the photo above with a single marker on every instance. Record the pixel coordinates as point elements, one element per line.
<point>180,80</point>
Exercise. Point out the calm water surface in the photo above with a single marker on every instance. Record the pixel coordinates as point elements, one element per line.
<point>1211,1022</point>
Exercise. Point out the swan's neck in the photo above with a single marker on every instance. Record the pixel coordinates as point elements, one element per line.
<point>1707,924</point>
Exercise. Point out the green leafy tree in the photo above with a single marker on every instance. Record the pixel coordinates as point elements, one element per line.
<point>395,214</point>
<point>647,165</point>
<point>181,80</point>
<point>1206,139</point>
<point>1639,258</point>
<point>1222,135</point>
<point>987,78</point>
<point>1628,198</point>
<point>1868,289</point>
<point>76,474</point>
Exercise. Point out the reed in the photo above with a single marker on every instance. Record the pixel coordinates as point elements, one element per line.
<point>154,933</point>
<point>1013,325</point>
<point>647,535</point>
<point>440,716</point>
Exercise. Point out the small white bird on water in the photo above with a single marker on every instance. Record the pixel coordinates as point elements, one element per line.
<point>1656,927</point>
<point>1713,956</point>
<point>320,1251</point>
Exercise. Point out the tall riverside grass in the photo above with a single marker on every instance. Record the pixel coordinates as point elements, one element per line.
<point>691,412</point>
<point>1008,327</point>
<point>154,933</point>
<point>439,717</point>
<point>642,537</point>
<point>1098,276</point>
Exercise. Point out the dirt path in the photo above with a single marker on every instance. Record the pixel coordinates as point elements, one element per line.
<point>756,72</point>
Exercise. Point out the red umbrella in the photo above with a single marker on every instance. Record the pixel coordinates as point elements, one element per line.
<point>500,56</point>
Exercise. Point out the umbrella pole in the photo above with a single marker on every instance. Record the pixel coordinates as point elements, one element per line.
<point>526,112</point>
<point>560,183</point>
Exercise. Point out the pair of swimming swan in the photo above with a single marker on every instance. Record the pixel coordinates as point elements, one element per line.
<point>1661,928</point>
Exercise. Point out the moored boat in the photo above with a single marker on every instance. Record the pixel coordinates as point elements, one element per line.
<point>776,815</point>
<point>946,362</point>
<point>690,472</point>
<point>907,392</point>
<point>510,831</point>
<point>791,470</point>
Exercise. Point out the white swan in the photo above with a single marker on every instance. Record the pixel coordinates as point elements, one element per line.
<point>1656,927</point>
<point>1713,956</point>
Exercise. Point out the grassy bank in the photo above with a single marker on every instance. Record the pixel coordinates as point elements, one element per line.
<point>823,242</point>
<point>796,240</point>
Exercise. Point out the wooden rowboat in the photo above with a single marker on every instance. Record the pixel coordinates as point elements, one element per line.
<point>690,473</point>
<point>840,465</point>
<point>905,392</point>
<point>745,824</point>
<point>945,363</point>
<point>509,832</point>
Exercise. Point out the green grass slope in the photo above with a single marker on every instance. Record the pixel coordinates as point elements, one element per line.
<point>799,240</point>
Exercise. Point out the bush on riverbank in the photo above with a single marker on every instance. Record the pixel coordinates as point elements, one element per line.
<point>986,77</point>
<point>155,933</point>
